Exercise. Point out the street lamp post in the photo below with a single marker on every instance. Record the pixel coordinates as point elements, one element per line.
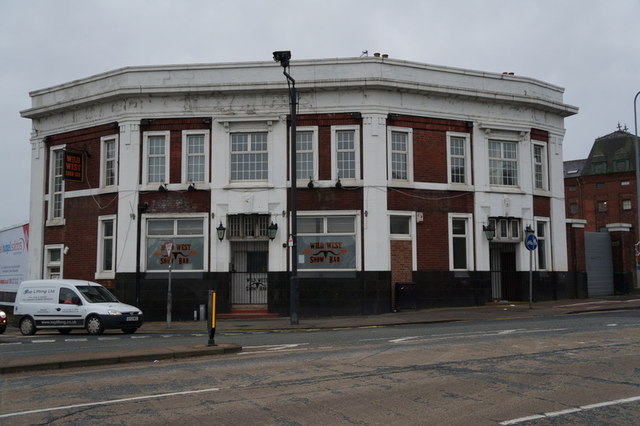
<point>294,296</point>
<point>637,148</point>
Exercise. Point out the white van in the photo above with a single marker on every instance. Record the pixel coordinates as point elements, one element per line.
<point>68,304</point>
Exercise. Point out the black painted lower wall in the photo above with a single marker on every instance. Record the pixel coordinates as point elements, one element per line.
<point>357,293</point>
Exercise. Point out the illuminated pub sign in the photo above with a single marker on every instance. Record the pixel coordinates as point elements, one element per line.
<point>73,166</point>
<point>327,252</point>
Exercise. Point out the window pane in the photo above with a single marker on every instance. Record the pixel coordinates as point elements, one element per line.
<point>400,225</point>
<point>340,224</point>
<point>55,255</point>
<point>160,227</point>
<point>190,227</point>
<point>459,253</point>
<point>310,225</point>
<point>459,226</point>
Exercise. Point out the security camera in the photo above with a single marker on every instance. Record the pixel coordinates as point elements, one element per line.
<point>282,56</point>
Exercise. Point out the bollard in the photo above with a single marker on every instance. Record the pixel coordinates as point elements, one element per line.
<point>212,318</point>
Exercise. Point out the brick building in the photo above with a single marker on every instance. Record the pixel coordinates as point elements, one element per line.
<point>601,209</point>
<point>400,168</point>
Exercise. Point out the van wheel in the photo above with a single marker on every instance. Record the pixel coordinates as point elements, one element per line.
<point>129,330</point>
<point>64,330</point>
<point>94,325</point>
<point>27,326</point>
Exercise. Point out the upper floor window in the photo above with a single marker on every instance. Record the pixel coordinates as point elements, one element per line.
<point>195,155</point>
<point>400,225</point>
<point>346,150</point>
<point>601,206</point>
<point>503,163</point>
<point>306,153</point>
<point>599,167</point>
<point>156,157</point>
<point>249,157</point>
<point>109,163</point>
<point>56,183</point>
<point>457,150</point>
<point>540,167</point>
<point>626,204</point>
<point>400,160</point>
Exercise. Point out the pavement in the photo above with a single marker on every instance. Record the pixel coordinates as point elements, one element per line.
<point>491,311</point>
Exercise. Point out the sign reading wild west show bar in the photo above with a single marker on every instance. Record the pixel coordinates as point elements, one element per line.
<point>332,253</point>
<point>187,254</point>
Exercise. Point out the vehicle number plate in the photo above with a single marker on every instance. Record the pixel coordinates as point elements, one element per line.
<point>132,318</point>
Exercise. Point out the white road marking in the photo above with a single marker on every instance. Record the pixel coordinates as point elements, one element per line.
<point>112,401</point>
<point>571,410</point>
<point>43,341</point>
<point>404,339</point>
<point>79,339</point>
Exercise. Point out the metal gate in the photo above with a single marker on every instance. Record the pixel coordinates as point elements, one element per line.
<point>249,267</point>
<point>599,263</point>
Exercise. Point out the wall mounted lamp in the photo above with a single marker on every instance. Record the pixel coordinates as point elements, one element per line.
<point>220,231</point>
<point>338,184</point>
<point>489,231</point>
<point>192,187</point>
<point>162,187</point>
<point>310,184</point>
<point>272,230</point>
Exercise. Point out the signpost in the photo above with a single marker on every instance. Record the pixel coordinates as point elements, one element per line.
<point>169,249</point>
<point>531,243</point>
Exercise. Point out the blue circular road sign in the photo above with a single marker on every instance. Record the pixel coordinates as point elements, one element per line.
<point>531,242</point>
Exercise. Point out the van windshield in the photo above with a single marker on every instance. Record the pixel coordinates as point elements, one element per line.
<point>95,294</point>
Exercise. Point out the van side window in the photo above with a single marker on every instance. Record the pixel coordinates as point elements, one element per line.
<point>66,296</point>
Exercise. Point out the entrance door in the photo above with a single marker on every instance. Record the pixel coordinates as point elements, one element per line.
<point>249,266</point>
<point>503,271</point>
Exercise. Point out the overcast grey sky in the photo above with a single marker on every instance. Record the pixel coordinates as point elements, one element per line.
<point>589,47</point>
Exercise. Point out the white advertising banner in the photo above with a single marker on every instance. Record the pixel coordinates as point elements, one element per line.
<point>14,245</point>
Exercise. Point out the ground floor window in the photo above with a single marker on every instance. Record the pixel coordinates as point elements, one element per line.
<point>460,242</point>
<point>186,238</point>
<point>541,234</point>
<point>53,255</point>
<point>327,242</point>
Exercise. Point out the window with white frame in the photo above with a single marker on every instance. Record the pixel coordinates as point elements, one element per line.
<point>56,182</point>
<point>400,226</point>
<point>503,163</point>
<point>540,166</point>
<point>327,242</point>
<point>626,204</point>
<point>346,151</point>
<point>400,154</point>
<point>249,157</point>
<point>507,229</point>
<point>106,247</point>
<point>541,231</point>
<point>53,261</point>
<point>109,161</point>
<point>195,155</point>
<point>460,242</point>
<point>187,236</point>
<point>306,153</point>
<point>156,157</point>
<point>457,150</point>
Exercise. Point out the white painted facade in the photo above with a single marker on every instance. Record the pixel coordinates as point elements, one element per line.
<point>253,97</point>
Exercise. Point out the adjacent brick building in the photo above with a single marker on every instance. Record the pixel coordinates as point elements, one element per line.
<point>601,204</point>
<point>401,167</point>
